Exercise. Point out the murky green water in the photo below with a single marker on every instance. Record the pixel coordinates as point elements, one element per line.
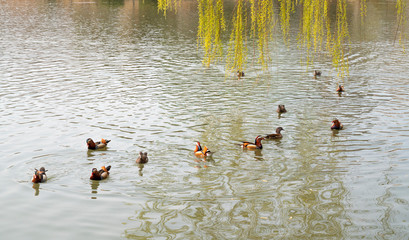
<point>118,70</point>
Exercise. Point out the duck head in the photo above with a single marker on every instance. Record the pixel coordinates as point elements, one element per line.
<point>279,129</point>
<point>91,144</point>
<point>336,124</point>
<point>95,175</point>
<point>36,177</point>
<point>257,141</point>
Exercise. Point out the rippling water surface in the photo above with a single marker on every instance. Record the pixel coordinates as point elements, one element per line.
<point>70,70</point>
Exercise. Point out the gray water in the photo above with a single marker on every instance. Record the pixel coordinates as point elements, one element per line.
<point>71,70</point>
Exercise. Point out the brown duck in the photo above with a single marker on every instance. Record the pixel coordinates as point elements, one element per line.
<point>281,109</point>
<point>276,135</point>
<point>143,158</point>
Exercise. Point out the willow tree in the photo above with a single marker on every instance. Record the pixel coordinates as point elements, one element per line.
<point>254,21</point>
<point>165,5</point>
<point>262,25</point>
<point>401,19</point>
<point>211,26</point>
<point>237,53</point>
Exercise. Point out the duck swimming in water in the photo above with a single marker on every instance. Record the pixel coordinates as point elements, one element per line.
<point>276,135</point>
<point>39,175</point>
<point>240,74</point>
<point>336,125</point>
<point>317,73</point>
<point>256,145</point>
<point>97,145</point>
<point>100,174</point>
<point>143,157</point>
<point>281,109</point>
<point>202,152</point>
<point>340,88</point>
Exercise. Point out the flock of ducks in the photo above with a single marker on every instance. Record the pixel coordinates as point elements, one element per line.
<point>40,176</point>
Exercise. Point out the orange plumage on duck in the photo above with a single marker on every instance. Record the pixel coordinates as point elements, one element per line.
<point>202,152</point>
<point>100,174</point>
<point>340,88</point>
<point>97,145</point>
<point>256,145</point>
<point>336,125</point>
<point>39,175</point>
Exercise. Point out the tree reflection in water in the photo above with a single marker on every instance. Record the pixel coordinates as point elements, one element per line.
<point>323,29</point>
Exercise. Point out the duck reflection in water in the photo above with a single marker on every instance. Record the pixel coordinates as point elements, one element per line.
<point>141,166</point>
<point>204,162</point>
<point>94,188</point>
<point>36,187</point>
<point>258,155</point>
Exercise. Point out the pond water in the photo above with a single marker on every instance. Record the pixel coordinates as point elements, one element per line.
<point>70,70</point>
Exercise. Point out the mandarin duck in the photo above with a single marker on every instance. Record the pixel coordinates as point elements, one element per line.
<point>143,158</point>
<point>281,109</point>
<point>340,88</point>
<point>317,73</point>
<point>276,135</point>
<point>256,145</point>
<point>336,125</point>
<point>240,74</point>
<point>39,175</point>
<point>100,174</point>
<point>97,145</point>
<point>202,152</point>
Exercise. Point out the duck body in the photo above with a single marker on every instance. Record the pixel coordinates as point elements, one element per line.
<point>340,88</point>
<point>202,152</point>
<point>39,176</point>
<point>240,74</point>
<point>336,125</point>
<point>101,174</point>
<point>276,135</point>
<point>281,109</point>
<point>256,145</point>
<point>97,145</point>
<point>317,73</point>
<point>143,158</point>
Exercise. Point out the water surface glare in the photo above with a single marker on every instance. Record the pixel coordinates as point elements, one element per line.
<point>70,70</point>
